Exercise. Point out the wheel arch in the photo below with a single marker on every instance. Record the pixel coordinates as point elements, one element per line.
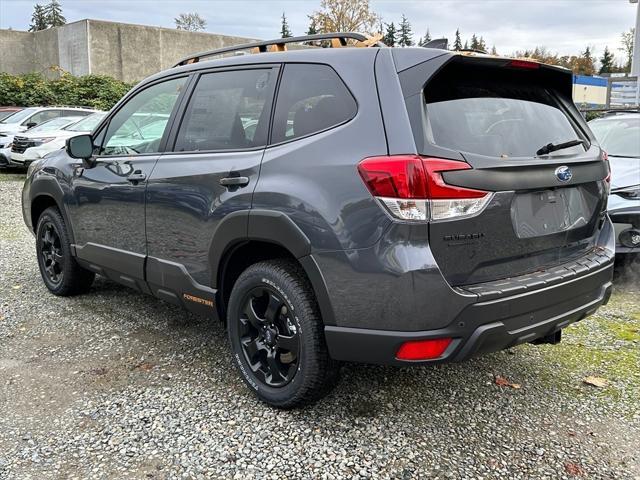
<point>249,236</point>
<point>45,192</point>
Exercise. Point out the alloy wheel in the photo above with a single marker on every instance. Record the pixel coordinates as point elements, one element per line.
<point>269,337</point>
<point>51,253</point>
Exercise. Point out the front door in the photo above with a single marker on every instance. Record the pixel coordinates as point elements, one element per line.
<point>208,174</point>
<point>109,197</point>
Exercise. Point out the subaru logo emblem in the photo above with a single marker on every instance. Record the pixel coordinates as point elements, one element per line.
<point>564,174</point>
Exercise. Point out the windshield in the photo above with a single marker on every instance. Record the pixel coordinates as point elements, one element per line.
<point>55,124</point>
<point>87,124</point>
<point>20,116</point>
<point>619,137</point>
<point>7,113</point>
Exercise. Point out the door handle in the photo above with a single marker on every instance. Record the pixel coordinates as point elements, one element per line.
<point>234,181</point>
<point>137,176</point>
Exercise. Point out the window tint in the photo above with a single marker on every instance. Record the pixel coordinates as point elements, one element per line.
<point>227,111</point>
<point>495,112</point>
<point>76,113</point>
<point>43,116</point>
<point>139,125</point>
<point>311,98</point>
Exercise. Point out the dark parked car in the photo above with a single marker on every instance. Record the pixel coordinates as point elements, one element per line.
<point>395,206</point>
<point>619,135</point>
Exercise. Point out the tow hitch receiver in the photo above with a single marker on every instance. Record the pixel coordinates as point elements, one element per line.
<point>551,339</point>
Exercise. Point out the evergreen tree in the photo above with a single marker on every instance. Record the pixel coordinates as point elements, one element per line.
<point>406,37</point>
<point>38,19</point>
<point>390,35</point>
<point>482,44</point>
<point>494,51</point>
<point>285,32</point>
<point>53,13</point>
<point>606,62</point>
<point>474,42</point>
<point>466,45</point>
<point>457,44</point>
<point>424,40</point>
<point>313,29</point>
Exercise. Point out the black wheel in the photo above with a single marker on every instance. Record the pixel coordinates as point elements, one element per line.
<point>277,336</point>
<point>61,273</point>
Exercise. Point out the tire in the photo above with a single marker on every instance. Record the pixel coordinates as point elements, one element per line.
<point>277,336</point>
<point>60,272</point>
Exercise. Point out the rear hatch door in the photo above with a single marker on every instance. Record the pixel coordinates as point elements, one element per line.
<point>515,124</point>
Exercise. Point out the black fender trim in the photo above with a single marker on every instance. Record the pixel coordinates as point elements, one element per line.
<point>47,186</point>
<point>275,227</point>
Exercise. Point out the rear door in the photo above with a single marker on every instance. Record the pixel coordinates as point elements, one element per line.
<point>211,172</point>
<point>505,119</point>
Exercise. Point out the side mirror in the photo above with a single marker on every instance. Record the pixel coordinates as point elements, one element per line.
<point>31,124</point>
<point>81,147</point>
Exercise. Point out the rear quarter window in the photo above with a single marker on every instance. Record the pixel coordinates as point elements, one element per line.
<point>311,98</point>
<point>496,112</point>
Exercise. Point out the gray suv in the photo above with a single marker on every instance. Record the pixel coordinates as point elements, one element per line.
<point>394,206</point>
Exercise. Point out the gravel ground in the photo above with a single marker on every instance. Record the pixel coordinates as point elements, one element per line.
<point>115,384</point>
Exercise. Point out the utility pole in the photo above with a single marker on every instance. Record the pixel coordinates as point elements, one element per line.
<point>635,57</point>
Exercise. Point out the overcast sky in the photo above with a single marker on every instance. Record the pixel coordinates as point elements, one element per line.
<point>564,26</point>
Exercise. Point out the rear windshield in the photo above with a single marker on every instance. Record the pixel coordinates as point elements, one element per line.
<point>620,137</point>
<point>495,112</point>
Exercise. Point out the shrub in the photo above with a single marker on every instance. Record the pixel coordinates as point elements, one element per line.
<point>34,89</point>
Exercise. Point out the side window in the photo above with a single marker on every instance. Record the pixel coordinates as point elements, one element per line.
<point>43,116</point>
<point>139,125</point>
<point>311,98</point>
<point>228,111</point>
<point>75,113</point>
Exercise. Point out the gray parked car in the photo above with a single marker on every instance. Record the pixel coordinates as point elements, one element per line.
<point>400,206</point>
<point>619,135</point>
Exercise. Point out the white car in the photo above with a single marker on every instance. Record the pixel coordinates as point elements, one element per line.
<point>28,118</point>
<point>49,137</point>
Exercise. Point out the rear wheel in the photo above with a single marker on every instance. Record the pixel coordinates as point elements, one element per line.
<point>277,337</point>
<point>60,272</point>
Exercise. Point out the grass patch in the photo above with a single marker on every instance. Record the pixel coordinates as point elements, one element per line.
<point>13,177</point>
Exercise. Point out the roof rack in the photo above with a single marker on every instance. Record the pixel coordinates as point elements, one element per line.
<point>338,39</point>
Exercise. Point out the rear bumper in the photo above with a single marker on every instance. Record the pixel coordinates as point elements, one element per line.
<point>494,322</point>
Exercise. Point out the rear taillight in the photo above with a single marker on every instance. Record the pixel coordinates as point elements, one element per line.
<point>423,349</point>
<point>412,187</point>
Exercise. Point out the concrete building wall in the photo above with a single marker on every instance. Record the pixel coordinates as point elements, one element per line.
<point>124,51</point>
<point>16,51</point>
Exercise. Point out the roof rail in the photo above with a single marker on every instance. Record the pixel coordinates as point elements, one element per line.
<point>338,39</point>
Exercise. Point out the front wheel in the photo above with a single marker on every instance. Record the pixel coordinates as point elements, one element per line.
<point>60,272</point>
<point>277,336</point>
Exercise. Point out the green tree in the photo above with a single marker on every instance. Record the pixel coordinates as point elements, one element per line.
<point>474,42</point>
<point>312,30</point>
<point>38,19</point>
<point>606,61</point>
<point>457,44</point>
<point>285,32</point>
<point>53,14</point>
<point>494,51</point>
<point>424,40</point>
<point>627,47</point>
<point>406,37</point>
<point>390,36</point>
<point>191,22</point>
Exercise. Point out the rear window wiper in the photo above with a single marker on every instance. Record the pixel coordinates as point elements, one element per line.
<point>552,147</point>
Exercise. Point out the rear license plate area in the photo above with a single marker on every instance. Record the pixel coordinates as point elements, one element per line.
<point>549,211</point>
